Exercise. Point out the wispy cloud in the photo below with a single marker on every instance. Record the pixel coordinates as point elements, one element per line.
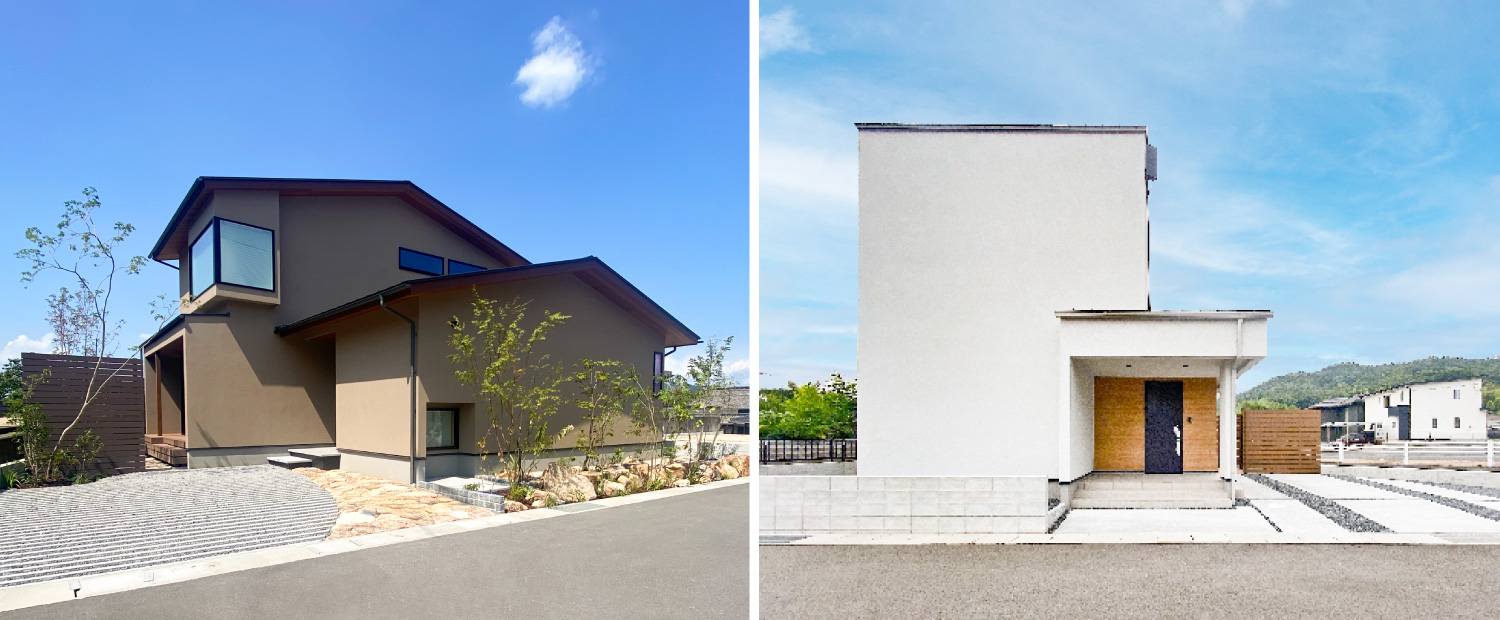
<point>25,344</point>
<point>557,67</point>
<point>780,32</point>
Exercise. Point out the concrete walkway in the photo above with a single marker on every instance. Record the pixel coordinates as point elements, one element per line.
<point>156,517</point>
<point>1164,521</point>
<point>1401,513</point>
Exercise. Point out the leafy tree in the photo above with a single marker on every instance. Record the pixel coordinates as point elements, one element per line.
<point>10,379</point>
<point>810,411</point>
<point>689,397</point>
<point>86,257</point>
<point>518,388</point>
<point>1263,403</point>
<point>604,392</point>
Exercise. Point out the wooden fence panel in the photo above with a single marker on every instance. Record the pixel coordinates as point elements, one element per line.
<point>1279,441</point>
<point>117,416</point>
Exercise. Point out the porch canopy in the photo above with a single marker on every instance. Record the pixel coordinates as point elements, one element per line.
<point>1207,350</point>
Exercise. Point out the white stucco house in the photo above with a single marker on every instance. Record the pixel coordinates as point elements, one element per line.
<point>1436,410</point>
<point>1014,260</point>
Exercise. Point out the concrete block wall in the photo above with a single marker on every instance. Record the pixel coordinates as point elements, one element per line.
<point>796,505</point>
<point>818,468</point>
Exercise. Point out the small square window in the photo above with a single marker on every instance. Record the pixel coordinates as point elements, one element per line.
<point>442,430</point>
<point>420,262</point>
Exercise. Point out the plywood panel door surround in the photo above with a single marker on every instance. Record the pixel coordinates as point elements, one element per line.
<point>1120,424</point>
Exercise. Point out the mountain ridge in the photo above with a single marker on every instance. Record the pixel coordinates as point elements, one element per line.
<point>1302,389</point>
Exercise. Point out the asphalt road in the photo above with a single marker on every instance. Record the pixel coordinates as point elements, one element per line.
<point>678,557</point>
<point>1129,581</point>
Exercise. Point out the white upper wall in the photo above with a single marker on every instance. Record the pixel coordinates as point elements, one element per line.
<point>1442,401</point>
<point>970,242</point>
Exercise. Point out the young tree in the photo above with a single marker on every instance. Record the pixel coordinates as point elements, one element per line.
<point>688,398</point>
<point>80,316</point>
<point>517,387</point>
<point>603,390</point>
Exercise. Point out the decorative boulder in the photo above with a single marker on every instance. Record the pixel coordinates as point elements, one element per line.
<point>726,470</point>
<point>568,485</point>
<point>681,483</point>
<point>515,506</point>
<point>539,499</point>
<point>741,463</point>
<point>613,489</point>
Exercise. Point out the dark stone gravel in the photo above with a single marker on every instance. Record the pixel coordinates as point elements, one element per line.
<point>1473,509</point>
<point>1346,518</point>
<point>1485,491</point>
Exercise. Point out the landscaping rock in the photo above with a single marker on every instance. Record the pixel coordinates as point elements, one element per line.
<point>539,499</point>
<point>741,463</point>
<point>682,483</point>
<point>613,489</point>
<point>567,484</point>
<point>592,476</point>
<point>726,470</point>
<point>515,506</point>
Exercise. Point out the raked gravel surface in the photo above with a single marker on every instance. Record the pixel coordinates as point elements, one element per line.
<point>156,517</point>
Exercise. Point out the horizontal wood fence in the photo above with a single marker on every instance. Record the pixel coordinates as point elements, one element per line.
<point>1279,441</point>
<point>117,415</point>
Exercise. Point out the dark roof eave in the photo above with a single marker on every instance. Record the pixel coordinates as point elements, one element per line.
<point>436,284</point>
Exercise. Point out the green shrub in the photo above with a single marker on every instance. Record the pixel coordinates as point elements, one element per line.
<point>810,411</point>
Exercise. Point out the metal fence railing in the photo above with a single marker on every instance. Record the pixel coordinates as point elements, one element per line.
<point>1432,453</point>
<point>791,450</point>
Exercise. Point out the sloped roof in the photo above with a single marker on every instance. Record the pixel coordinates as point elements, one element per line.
<point>175,234</point>
<point>590,270</point>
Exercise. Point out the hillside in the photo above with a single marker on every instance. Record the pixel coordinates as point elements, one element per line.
<point>1301,389</point>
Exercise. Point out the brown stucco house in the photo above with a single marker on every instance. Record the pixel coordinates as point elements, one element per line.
<point>310,302</point>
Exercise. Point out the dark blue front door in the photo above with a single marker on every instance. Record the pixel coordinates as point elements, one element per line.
<point>1163,427</point>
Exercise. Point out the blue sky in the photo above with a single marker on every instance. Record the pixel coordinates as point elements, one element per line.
<point>1335,162</point>
<point>564,130</point>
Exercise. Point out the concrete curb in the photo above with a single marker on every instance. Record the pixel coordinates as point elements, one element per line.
<point>1277,538</point>
<point>48,592</point>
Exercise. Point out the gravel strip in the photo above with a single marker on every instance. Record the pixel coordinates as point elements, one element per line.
<point>1485,491</point>
<point>1473,509</point>
<point>1346,518</point>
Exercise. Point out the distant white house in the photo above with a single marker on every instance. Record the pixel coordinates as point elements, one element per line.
<point>1438,410</point>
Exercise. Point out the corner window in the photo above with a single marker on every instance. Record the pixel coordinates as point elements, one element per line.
<point>462,267</point>
<point>230,252</point>
<point>420,262</point>
<point>442,429</point>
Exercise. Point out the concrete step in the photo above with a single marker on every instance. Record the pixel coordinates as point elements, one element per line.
<point>179,441</point>
<point>1202,502</point>
<point>289,462</point>
<point>326,457</point>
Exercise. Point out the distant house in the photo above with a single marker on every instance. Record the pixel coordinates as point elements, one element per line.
<point>1439,410</point>
<point>728,410</point>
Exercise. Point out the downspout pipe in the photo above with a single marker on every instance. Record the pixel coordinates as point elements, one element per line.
<point>411,380</point>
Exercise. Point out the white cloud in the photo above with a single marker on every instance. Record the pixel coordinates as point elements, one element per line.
<point>24,344</point>
<point>779,32</point>
<point>737,369</point>
<point>1237,9</point>
<point>822,173</point>
<point>557,67</point>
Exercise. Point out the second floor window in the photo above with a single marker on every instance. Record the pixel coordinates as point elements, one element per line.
<point>229,252</point>
<point>420,262</point>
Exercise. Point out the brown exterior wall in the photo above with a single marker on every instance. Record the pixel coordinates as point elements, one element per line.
<point>164,386</point>
<point>244,386</point>
<point>372,353</point>
<point>1120,424</point>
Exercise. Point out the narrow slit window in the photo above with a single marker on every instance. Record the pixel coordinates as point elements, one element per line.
<point>455,266</point>
<point>420,262</point>
<point>1458,422</point>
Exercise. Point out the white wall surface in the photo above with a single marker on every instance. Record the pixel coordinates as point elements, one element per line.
<point>969,243</point>
<point>1431,401</point>
<point>806,505</point>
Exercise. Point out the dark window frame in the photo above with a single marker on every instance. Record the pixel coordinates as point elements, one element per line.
<point>1458,422</point>
<point>454,412</point>
<point>658,370</point>
<point>213,225</point>
<point>471,267</point>
<point>441,261</point>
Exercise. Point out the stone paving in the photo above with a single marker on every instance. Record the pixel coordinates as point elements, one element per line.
<point>156,517</point>
<point>367,504</point>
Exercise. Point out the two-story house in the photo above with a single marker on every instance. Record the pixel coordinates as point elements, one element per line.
<point>316,316</point>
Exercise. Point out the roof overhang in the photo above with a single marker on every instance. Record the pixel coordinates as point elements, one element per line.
<point>590,270</point>
<point>1021,128</point>
<point>174,236</point>
<point>1166,315</point>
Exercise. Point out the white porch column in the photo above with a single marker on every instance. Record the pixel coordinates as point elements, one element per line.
<point>1227,421</point>
<point>1065,418</point>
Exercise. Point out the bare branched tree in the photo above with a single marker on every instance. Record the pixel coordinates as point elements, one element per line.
<point>85,257</point>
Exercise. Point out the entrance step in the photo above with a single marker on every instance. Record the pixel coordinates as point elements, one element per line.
<point>325,457</point>
<point>1127,490</point>
<point>179,441</point>
<point>289,462</point>
<point>168,453</point>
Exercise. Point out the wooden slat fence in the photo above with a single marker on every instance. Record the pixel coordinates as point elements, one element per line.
<point>1279,441</point>
<point>117,416</point>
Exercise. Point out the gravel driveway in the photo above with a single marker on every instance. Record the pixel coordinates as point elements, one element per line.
<point>156,517</point>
